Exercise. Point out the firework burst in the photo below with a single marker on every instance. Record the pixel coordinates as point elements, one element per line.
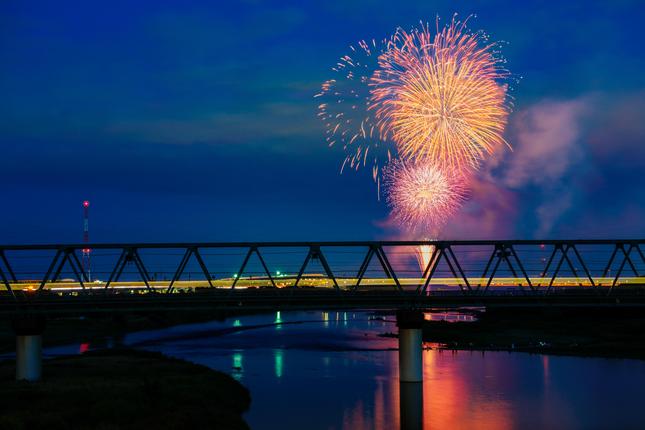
<point>422,196</point>
<point>430,104</point>
<point>344,109</point>
<point>441,98</point>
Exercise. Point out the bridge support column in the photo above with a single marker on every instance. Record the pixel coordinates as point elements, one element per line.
<point>29,349</point>
<point>410,369</point>
<point>410,345</point>
<point>411,405</point>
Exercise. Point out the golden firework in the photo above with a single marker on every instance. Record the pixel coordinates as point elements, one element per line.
<point>343,108</point>
<point>441,98</point>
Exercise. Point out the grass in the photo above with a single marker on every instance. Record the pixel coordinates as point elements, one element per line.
<point>122,389</point>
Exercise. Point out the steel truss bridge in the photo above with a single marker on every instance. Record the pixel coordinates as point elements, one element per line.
<point>267,275</point>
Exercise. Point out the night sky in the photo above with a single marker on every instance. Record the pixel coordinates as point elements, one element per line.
<point>195,121</point>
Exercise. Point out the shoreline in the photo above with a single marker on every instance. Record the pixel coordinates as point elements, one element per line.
<point>148,389</point>
<point>560,352</point>
<point>553,331</point>
<point>536,349</point>
<point>578,333</point>
<point>100,329</point>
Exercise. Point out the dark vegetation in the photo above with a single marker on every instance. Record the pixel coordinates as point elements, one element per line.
<point>122,389</point>
<point>97,329</point>
<point>604,332</point>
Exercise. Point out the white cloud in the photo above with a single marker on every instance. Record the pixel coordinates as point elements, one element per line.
<point>546,143</point>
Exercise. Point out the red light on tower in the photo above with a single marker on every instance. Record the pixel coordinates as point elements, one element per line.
<point>86,238</point>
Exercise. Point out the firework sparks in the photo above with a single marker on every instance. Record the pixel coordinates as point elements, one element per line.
<point>422,196</point>
<point>424,254</point>
<point>344,109</point>
<point>433,105</point>
<point>439,96</point>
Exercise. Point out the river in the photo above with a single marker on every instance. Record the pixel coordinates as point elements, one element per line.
<point>332,370</point>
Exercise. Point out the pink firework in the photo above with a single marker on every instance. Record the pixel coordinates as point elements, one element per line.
<point>423,196</point>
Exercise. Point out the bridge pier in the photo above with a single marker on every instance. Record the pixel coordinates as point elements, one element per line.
<point>29,348</point>
<point>410,345</point>
<point>411,405</point>
<point>410,369</point>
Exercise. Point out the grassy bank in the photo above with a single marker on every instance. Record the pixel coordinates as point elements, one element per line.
<point>98,328</point>
<point>584,332</point>
<point>122,389</point>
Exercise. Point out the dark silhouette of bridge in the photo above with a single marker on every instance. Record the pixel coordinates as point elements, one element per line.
<point>405,268</point>
<point>45,281</point>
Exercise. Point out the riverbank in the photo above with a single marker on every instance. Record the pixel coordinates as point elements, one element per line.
<point>104,330</point>
<point>599,332</point>
<point>122,389</point>
<point>618,333</point>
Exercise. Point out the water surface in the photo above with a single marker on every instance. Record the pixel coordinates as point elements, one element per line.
<point>332,370</point>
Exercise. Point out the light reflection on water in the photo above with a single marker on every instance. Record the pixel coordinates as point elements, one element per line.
<point>331,370</point>
<point>279,364</point>
<point>449,316</point>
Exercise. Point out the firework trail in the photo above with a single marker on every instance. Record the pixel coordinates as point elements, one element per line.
<point>423,196</point>
<point>441,97</point>
<point>424,253</point>
<point>344,109</point>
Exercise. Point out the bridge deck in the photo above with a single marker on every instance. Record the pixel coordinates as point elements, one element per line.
<point>54,304</point>
<point>118,277</point>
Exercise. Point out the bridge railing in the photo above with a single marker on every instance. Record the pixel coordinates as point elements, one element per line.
<point>408,267</point>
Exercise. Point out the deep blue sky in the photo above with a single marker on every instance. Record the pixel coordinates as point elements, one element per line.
<point>195,120</point>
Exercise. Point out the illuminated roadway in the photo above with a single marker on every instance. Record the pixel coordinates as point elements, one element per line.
<point>509,272</point>
<point>318,281</point>
<point>67,298</point>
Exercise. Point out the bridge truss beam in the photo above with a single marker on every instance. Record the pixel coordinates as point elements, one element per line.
<point>468,267</point>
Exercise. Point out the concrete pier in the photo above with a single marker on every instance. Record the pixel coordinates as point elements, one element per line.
<point>410,345</point>
<point>411,405</point>
<point>29,347</point>
<point>29,357</point>
<point>410,369</point>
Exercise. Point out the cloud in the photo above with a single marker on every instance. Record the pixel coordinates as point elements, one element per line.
<point>550,210</point>
<point>526,190</point>
<point>568,156</point>
<point>546,142</point>
<point>490,213</point>
<point>547,145</point>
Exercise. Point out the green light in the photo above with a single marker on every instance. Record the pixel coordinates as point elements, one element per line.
<point>278,273</point>
<point>237,361</point>
<point>279,363</point>
<point>235,275</point>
